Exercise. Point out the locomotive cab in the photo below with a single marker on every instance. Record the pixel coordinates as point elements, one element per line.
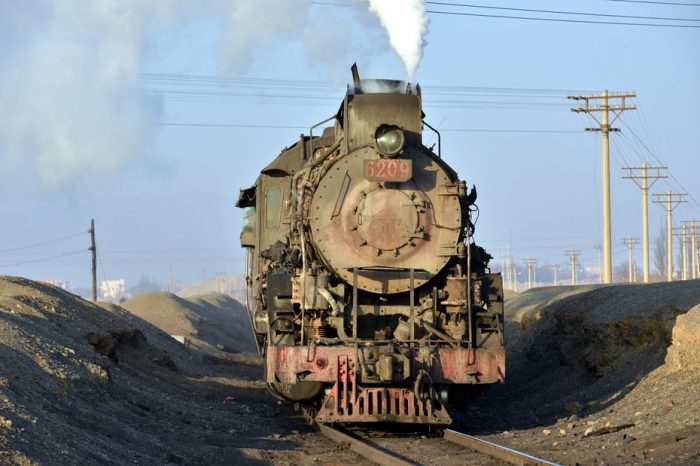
<point>370,300</point>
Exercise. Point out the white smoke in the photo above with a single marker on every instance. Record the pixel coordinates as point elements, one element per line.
<point>373,86</point>
<point>253,24</point>
<point>406,23</point>
<point>68,87</point>
<point>70,70</point>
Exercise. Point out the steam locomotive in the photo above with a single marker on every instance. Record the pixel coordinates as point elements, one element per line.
<point>369,300</point>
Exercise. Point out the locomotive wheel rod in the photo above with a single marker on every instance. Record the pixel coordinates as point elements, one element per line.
<point>362,447</point>
<point>494,450</point>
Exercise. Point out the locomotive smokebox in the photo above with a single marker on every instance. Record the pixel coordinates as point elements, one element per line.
<point>388,209</point>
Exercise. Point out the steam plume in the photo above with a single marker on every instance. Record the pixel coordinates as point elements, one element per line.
<point>67,90</point>
<point>71,100</point>
<point>406,23</point>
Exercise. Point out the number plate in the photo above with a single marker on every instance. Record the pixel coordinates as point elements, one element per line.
<point>397,170</point>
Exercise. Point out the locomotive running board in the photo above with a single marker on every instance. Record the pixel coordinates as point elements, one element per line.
<point>348,402</point>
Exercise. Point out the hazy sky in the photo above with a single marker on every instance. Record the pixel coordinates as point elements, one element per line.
<point>149,117</point>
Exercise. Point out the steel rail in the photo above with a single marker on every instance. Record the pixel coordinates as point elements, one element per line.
<point>494,450</point>
<point>362,447</point>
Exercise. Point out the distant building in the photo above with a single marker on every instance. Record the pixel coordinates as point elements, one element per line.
<point>114,290</point>
<point>63,284</point>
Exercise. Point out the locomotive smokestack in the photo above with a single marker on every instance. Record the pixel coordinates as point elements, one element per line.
<point>356,78</point>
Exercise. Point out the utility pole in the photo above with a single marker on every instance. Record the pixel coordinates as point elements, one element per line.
<point>573,255</point>
<point>555,269</point>
<point>503,261</point>
<point>605,128</point>
<point>692,229</point>
<point>694,246</point>
<point>509,271</point>
<point>530,265</point>
<point>671,201</point>
<point>642,173</point>
<point>93,248</point>
<point>599,248</point>
<point>630,242</point>
<point>696,253</point>
<point>509,276</point>
<point>688,235</point>
<point>681,234</point>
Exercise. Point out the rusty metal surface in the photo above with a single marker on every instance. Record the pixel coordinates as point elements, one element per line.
<point>291,159</point>
<point>348,401</point>
<point>385,230</point>
<point>366,112</point>
<point>320,363</point>
<point>354,249</point>
<point>462,365</point>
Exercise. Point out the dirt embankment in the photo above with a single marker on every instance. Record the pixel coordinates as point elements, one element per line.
<point>618,362</point>
<point>605,375</point>
<point>83,384</point>
<point>212,322</point>
<point>684,353</point>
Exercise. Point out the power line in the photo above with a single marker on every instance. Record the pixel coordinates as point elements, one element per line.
<point>139,251</point>
<point>153,260</point>
<point>104,274</point>
<point>469,130</point>
<point>209,88</point>
<point>464,130</point>
<point>563,20</point>
<point>656,3</point>
<point>428,103</point>
<point>697,204</point>
<point>234,125</point>
<point>347,5</point>
<point>277,99</point>
<point>228,81</point>
<point>558,12</point>
<point>44,259</point>
<point>43,242</point>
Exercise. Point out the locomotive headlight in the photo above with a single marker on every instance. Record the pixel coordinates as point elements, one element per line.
<point>390,139</point>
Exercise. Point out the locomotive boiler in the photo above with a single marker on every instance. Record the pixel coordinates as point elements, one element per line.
<point>369,300</point>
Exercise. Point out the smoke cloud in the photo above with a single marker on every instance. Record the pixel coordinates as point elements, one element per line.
<point>68,87</point>
<point>406,23</point>
<point>71,99</point>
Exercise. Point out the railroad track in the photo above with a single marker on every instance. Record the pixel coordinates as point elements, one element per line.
<point>368,449</point>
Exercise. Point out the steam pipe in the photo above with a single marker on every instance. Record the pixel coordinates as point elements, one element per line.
<point>300,224</point>
<point>439,334</point>
<point>303,277</point>
<point>338,324</point>
<point>469,288</point>
<point>331,300</point>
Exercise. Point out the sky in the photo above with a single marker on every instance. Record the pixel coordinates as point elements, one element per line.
<point>150,116</point>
